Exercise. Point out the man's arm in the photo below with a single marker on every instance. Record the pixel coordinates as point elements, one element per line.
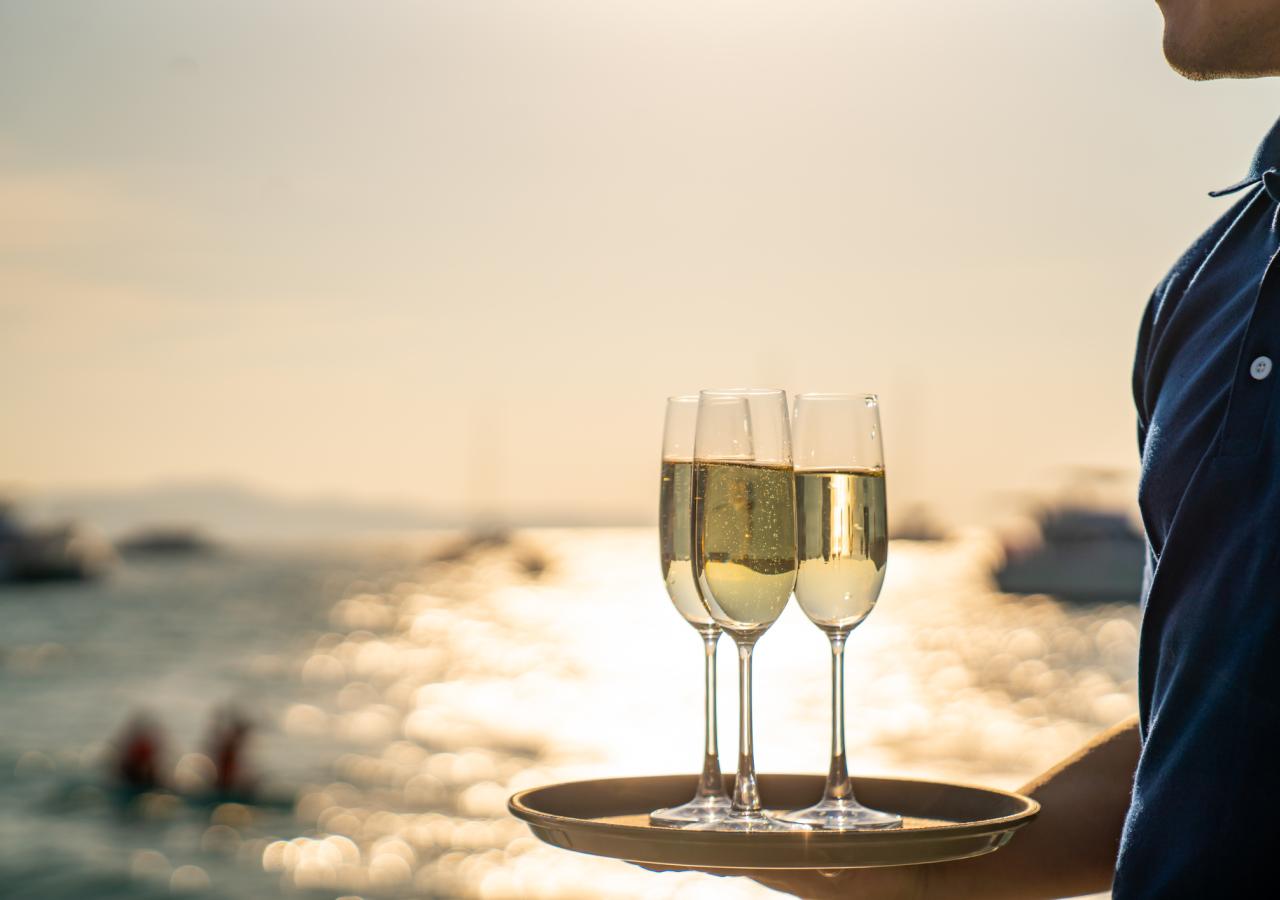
<point>1069,849</point>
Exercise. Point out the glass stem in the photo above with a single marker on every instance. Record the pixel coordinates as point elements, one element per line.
<point>839,787</point>
<point>711,783</point>
<point>746,798</point>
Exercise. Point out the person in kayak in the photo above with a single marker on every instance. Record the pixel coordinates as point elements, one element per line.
<point>139,750</point>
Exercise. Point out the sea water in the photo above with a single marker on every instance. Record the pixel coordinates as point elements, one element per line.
<point>402,689</point>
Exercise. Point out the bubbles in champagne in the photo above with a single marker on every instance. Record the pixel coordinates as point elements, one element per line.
<point>843,544</point>
<point>675,523</point>
<point>744,539</point>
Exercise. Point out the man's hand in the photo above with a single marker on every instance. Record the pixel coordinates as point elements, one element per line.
<point>886,883</point>
<point>1070,849</point>
<point>895,883</point>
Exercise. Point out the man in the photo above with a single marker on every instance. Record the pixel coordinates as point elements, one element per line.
<point>1178,802</point>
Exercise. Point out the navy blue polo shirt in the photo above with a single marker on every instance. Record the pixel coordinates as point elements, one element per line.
<point>1204,820</point>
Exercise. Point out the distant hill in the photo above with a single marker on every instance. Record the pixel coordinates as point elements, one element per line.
<point>233,511</point>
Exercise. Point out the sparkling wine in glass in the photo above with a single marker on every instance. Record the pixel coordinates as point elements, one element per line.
<point>842,540</point>
<point>675,538</point>
<point>744,549</point>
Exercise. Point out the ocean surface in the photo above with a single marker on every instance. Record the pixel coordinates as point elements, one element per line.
<point>402,689</point>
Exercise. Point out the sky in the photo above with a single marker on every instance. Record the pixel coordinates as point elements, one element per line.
<point>455,254</point>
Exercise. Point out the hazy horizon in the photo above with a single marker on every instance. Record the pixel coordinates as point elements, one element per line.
<point>455,255</point>
<point>225,510</point>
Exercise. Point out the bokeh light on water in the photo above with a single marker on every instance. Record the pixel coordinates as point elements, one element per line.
<point>401,700</point>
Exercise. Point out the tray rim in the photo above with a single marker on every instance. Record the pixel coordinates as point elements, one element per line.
<point>518,807</point>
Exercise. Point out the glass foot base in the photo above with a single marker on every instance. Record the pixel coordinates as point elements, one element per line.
<point>700,809</point>
<point>749,821</point>
<point>842,815</point>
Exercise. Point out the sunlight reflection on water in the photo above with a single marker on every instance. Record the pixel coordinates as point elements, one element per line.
<point>468,680</point>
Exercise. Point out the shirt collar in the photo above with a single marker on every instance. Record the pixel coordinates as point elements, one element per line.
<point>1265,167</point>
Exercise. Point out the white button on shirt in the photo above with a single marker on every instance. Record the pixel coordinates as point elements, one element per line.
<point>1260,368</point>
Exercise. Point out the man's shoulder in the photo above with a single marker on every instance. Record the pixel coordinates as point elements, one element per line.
<point>1214,262</point>
<point>1184,272</point>
<point>1214,243</point>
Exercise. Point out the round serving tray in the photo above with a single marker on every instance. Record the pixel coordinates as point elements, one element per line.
<point>610,817</point>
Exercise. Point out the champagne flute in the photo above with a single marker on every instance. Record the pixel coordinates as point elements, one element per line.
<point>675,523</point>
<point>843,545</point>
<point>744,548</point>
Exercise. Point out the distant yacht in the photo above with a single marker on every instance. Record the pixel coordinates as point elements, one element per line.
<point>167,541</point>
<point>1084,555</point>
<point>62,552</point>
<point>916,524</point>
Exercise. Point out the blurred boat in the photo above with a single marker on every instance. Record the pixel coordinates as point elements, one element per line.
<point>466,545</point>
<point>169,540</point>
<point>916,524</point>
<point>529,558</point>
<point>1083,555</point>
<point>61,552</point>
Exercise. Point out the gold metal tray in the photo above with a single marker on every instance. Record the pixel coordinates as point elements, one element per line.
<point>610,817</point>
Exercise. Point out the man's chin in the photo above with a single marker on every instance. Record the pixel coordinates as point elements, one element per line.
<point>1201,62</point>
<point>1191,66</point>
